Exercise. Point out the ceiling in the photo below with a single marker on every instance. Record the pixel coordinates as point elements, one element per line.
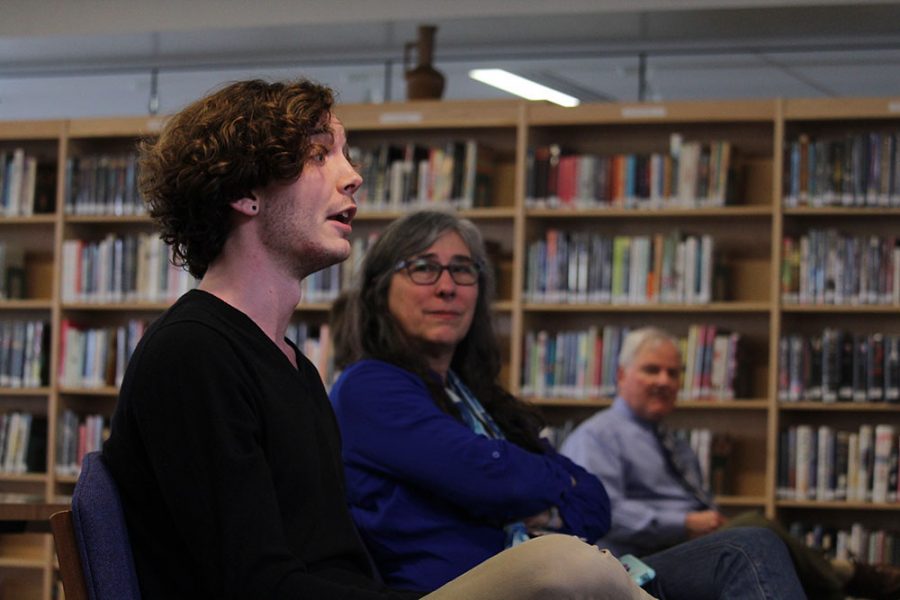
<point>97,58</point>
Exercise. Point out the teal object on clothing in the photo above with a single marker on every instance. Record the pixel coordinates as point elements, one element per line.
<point>480,421</point>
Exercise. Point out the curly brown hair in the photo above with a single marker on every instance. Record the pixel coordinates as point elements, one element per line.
<point>244,137</point>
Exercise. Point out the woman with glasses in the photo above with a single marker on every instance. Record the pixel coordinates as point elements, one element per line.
<point>445,468</point>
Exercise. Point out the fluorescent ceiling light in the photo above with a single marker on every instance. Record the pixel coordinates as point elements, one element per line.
<point>522,87</point>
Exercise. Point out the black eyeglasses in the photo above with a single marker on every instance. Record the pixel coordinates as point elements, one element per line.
<point>426,271</point>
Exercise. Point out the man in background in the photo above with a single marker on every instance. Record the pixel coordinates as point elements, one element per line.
<point>654,480</point>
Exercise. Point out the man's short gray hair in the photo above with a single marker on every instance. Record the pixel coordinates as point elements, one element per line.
<point>638,338</point>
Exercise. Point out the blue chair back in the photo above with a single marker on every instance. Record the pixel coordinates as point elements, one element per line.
<point>101,534</point>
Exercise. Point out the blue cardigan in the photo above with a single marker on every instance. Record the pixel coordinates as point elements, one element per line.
<point>431,497</point>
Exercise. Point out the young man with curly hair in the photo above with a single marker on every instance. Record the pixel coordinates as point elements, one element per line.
<point>224,445</point>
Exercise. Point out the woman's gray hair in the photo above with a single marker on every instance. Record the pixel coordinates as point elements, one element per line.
<point>364,326</point>
<point>638,338</point>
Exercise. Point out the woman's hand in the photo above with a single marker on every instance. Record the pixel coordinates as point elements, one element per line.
<point>545,520</point>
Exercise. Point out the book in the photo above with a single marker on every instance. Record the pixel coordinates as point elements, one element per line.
<point>860,367</point>
<point>805,483</point>
<point>885,441</point>
<point>875,368</point>
<point>813,378</point>
<point>847,352</point>
<point>866,464</point>
<point>841,464</point>
<point>892,369</point>
<point>825,439</point>
<point>479,175</point>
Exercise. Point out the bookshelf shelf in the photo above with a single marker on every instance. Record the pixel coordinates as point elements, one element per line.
<point>115,307</point>
<point>570,402</point>
<point>23,477</point>
<point>25,391</point>
<point>693,405</point>
<point>715,404</point>
<point>19,221</point>
<point>108,219</point>
<point>37,562</point>
<point>748,256</point>
<point>651,213</point>
<point>831,505</point>
<point>653,112</point>
<point>714,307</point>
<point>89,391</point>
<point>115,127</point>
<point>475,214</point>
<point>502,306</point>
<point>32,130</point>
<point>422,115</point>
<point>26,304</point>
<point>851,407</point>
<point>840,109</point>
<point>872,309</point>
<point>833,211</point>
<point>741,501</point>
<point>313,307</point>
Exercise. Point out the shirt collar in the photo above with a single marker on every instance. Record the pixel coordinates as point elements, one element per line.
<point>621,407</point>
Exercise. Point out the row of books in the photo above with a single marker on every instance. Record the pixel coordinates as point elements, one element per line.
<point>711,359</point>
<point>103,184</point>
<point>839,366</point>
<point>857,169</point>
<point>121,268</point>
<point>713,451</point>
<point>690,174</point>
<point>91,357</point>
<point>571,364</point>
<point>858,543</point>
<point>18,183</point>
<point>822,463</point>
<point>136,268</point>
<point>23,442</point>
<point>583,363</point>
<point>828,267</point>
<point>12,271</point>
<point>581,267</point>
<point>456,173</point>
<point>24,353</point>
<point>76,437</point>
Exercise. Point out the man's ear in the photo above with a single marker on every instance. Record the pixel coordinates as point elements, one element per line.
<point>247,205</point>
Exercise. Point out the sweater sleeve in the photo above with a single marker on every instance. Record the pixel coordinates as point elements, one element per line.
<point>197,419</point>
<point>585,510</point>
<point>391,426</point>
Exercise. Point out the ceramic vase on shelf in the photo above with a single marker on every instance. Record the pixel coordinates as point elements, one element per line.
<point>423,82</point>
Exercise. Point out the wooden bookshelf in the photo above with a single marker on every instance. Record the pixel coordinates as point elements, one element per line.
<point>821,122</point>
<point>747,231</point>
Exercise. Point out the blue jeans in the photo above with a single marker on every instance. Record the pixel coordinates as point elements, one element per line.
<point>734,564</point>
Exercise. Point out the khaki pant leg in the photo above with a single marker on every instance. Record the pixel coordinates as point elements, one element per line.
<point>557,567</point>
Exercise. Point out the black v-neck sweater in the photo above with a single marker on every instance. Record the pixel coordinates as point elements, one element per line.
<point>228,463</point>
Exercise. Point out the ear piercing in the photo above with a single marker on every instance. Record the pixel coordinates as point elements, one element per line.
<point>253,207</point>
